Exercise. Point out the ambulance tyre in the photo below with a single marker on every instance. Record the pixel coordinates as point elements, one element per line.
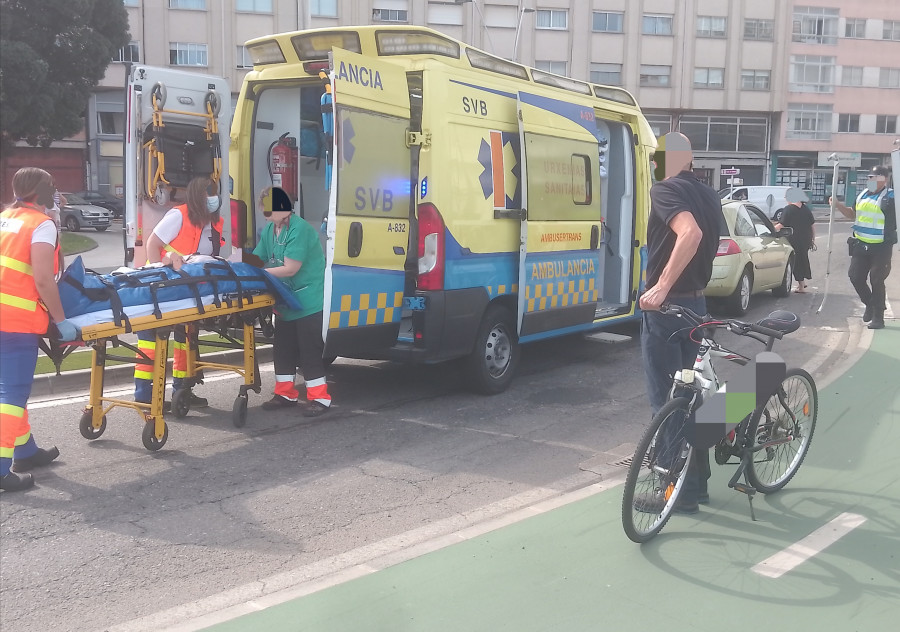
<point>239,411</point>
<point>86,426</point>
<point>181,403</point>
<point>493,361</point>
<point>148,436</point>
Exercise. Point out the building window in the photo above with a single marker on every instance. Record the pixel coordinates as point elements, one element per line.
<point>659,123</point>
<point>132,52</point>
<point>709,26</point>
<point>390,15</point>
<point>855,28</point>
<point>182,54</point>
<point>755,79</point>
<point>607,74</point>
<point>323,8</point>
<point>131,3</point>
<point>851,76</point>
<point>812,73</point>
<point>709,77</point>
<point>556,67</point>
<point>606,22</point>
<point>759,30</point>
<point>188,4</point>
<point>253,6</point>
<point>848,122</point>
<point>110,123</point>
<point>815,25</point>
<point>725,133</point>
<point>889,78</point>
<point>811,121</point>
<point>243,57</point>
<point>549,19</point>
<point>655,76</point>
<point>656,25</point>
<point>886,124</point>
<point>891,30</point>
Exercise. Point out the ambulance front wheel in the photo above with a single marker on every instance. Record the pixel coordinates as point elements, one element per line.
<point>148,436</point>
<point>86,426</point>
<point>239,411</point>
<point>491,365</point>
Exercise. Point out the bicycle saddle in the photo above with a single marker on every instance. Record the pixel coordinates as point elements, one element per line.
<point>781,320</point>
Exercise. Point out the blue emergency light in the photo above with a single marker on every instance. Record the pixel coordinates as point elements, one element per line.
<point>423,190</point>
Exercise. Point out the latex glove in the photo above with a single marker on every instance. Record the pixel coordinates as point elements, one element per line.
<point>67,331</point>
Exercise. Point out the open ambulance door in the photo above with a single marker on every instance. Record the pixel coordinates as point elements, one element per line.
<point>368,216</point>
<point>560,264</point>
<point>177,127</point>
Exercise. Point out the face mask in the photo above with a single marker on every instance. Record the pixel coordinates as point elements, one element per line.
<point>212,203</point>
<point>872,185</point>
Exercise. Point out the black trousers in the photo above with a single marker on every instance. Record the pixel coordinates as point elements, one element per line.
<point>299,343</point>
<point>871,265</point>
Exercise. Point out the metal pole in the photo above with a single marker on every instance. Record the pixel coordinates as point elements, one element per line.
<point>834,181</point>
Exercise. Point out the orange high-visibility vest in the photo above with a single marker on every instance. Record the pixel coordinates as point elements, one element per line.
<point>188,239</point>
<point>21,308</point>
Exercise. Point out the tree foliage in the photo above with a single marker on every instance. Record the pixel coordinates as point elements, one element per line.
<point>52,54</point>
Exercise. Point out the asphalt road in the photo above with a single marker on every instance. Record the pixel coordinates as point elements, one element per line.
<point>109,253</point>
<point>113,534</point>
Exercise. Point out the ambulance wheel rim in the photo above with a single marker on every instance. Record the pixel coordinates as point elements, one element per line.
<point>497,351</point>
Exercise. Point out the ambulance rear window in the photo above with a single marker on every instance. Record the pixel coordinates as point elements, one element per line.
<point>316,46</point>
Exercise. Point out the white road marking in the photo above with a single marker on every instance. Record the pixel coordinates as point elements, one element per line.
<point>813,544</point>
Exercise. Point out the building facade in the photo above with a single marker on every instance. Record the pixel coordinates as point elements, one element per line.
<point>767,88</point>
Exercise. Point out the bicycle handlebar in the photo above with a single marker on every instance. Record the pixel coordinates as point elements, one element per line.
<point>737,326</point>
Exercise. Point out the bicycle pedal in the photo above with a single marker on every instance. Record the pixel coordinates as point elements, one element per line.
<point>745,489</point>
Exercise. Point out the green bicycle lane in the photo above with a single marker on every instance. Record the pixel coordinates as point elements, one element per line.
<point>572,568</point>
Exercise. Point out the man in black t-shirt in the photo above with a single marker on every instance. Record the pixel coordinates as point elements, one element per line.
<point>682,239</point>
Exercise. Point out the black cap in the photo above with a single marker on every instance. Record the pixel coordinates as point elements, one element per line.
<point>280,201</point>
<point>881,170</point>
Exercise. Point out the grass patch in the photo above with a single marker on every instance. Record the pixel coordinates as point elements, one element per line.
<point>73,243</point>
<point>81,359</point>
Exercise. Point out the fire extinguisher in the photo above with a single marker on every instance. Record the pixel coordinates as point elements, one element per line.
<point>283,163</point>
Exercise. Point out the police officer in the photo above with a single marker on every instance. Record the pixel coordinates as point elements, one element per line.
<point>29,299</point>
<point>874,234</point>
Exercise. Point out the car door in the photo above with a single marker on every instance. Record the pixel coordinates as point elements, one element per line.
<point>368,216</point>
<point>560,267</point>
<point>772,256</point>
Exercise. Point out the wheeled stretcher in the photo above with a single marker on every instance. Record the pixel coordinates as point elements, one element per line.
<point>225,299</point>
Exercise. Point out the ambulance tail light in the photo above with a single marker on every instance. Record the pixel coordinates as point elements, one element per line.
<point>728,247</point>
<point>431,248</point>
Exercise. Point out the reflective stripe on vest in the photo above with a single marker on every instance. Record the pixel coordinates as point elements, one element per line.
<point>869,223</point>
<point>187,241</point>
<point>21,309</point>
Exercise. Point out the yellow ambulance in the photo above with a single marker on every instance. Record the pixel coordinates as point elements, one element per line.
<point>467,204</point>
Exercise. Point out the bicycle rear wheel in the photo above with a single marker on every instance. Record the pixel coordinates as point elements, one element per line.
<point>791,412</point>
<point>657,472</point>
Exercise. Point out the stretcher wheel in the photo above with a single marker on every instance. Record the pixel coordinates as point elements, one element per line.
<point>181,403</point>
<point>239,411</point>
<point>86,426</point>
<point>148,436</point>
<point>159,91</point>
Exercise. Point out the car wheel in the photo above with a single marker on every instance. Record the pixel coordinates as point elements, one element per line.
<point>777,216</point>
<point>72,224</point>
<point>739,301</point>
<point>100,229</point>
<point>785,288</point>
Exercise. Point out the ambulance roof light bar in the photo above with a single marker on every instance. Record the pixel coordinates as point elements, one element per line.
<point>268,52</point>
<point>479,59</point>
<point>316,46</point>
<point>614,94</point>
<point>558,81</point>
<point>395,42</point>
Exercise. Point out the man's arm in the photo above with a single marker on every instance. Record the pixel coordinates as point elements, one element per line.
<point>847,212</point>
<point>687,239</point>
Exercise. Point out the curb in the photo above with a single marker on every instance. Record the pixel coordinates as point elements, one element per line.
<point>78,381</point>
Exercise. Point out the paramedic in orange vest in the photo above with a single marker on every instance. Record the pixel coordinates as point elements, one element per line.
<point>28,263</point>
<point>191,228</point>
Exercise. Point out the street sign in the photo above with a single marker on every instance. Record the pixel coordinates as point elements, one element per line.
<point>730,172</point>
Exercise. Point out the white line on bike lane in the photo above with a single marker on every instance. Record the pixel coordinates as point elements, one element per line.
<point>813,544</point>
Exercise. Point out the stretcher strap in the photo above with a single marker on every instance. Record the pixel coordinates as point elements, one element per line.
<point>107,293</point>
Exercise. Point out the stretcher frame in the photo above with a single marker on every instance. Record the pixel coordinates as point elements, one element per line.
<point>248,308</point>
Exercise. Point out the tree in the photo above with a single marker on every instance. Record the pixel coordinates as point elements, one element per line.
<point>52,55</point>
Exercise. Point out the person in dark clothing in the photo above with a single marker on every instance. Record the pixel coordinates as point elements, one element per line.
<point>682,239</point>
<point>797,216</point>
<point>874,234</point>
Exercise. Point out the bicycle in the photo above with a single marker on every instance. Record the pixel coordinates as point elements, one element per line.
<point>780,431</point>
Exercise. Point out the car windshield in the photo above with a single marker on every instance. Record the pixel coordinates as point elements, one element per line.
<point>71,198</point>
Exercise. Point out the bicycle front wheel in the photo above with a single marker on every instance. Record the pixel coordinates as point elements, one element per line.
<point>657,472</point>
<point>785,426</point>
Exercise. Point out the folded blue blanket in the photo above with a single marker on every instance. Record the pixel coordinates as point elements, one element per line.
<point>83,291</point>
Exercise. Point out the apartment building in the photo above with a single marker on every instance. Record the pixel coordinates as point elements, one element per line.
<point>767,88</point>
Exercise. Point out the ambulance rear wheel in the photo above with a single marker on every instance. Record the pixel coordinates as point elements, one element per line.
<point>181,403</point>
<point>239,411</point>
<point>86,426</point>
<point>148,436</point>
<point>491,365</point>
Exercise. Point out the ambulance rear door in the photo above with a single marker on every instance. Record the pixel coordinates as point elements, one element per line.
<point>560,263</point>
<point>177,126</point>
<point>368,216</point>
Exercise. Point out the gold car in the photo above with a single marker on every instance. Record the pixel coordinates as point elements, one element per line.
<point>753,257</point>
